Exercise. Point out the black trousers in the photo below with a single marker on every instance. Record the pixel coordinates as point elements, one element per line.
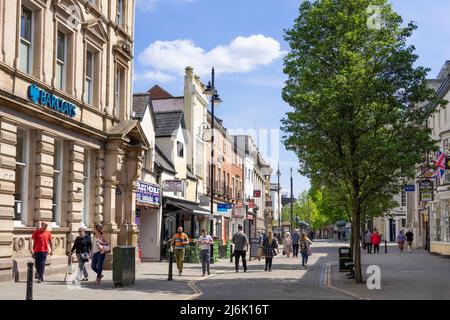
<point>376,248</point>
<point>295,250</point>
<point>369,247</point>
<point>269,263</point>
<point>237,255</point>
<point>40,258</point>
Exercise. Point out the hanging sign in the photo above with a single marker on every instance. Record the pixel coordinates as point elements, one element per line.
<point>426,190</point>
<point>257,193</point>
<point>173,185</point>
<point>148,193</point>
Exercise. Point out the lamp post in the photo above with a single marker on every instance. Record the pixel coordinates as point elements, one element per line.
<point>278,204</point>
<point>213,96</point>
<point>292,203</point>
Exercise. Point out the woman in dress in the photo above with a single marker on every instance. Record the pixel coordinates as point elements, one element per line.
<point>269,245</point>
<point>287,244</point>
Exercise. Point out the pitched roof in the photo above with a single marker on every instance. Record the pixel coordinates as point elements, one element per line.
<point>162,161</point>
<point>168,122</point>
<point>140,103</point>
<point>156,92</point>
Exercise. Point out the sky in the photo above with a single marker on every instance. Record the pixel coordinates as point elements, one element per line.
<point>244,41</point>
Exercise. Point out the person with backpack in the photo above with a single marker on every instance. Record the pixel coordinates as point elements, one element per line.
<point>305,249</point>
<point>270,246</point>
<point>409,239</point>
<point>101,247</point>
<point>83,249</point>
<point>401,241</point>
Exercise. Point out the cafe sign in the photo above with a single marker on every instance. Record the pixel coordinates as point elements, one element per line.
<point>46,99</point>
<point>148,194</point>
<point>426,190</point>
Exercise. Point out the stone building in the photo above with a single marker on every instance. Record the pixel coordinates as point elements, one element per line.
<point>69,152</point>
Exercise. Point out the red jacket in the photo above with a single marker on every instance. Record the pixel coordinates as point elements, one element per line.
<point>376,238</point>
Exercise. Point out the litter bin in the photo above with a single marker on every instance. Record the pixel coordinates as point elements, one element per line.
<point>124,265</point>
<point>345,255</point>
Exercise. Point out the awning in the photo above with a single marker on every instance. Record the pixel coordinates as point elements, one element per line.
<point>192,207</point>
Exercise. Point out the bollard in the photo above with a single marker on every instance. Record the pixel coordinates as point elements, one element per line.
<point>170,264</point>
<point>231,253</point>
<point>211,251</point>
<point>29,281</point>
<point>385,246</point>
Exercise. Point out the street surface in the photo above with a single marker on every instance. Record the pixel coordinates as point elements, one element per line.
<point>403,276</point>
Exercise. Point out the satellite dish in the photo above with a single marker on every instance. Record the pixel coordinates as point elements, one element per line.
<point>207,135</point>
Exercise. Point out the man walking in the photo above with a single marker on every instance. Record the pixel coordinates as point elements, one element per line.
<point>205,241</point>
<point>409,239</point>
<point>295,242</point>
<point>180,240</point>
<point>240,241</point>
<point>40,241</point>
<point>368,240</point>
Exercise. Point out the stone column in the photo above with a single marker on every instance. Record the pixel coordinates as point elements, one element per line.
<point>44,177</point>
<point>8,132</point>
<point>99,183</point>
<point>75,190</point>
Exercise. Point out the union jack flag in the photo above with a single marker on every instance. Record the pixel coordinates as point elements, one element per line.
<point>439,164</point>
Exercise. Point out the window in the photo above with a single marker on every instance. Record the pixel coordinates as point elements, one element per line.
<point>120,92</point>
<point>120,13</point>
<point>403,199</point>
<point>89,86</point>
<point>21,179</point>
<point>218,180</point>
<point>93,2</point>
<point>61,56</point>
<point>26,40</point>
<point>57,182</point>
<point>180,149</point>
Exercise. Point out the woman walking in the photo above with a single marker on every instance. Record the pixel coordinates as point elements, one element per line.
<point>83,249</point>
<point>287,244</point>
<point>401,241</point>
<point>101,247</point>
<point>269,245</point>
<point>305,250</point>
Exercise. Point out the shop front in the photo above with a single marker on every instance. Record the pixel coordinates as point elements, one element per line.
<point>440,225</point>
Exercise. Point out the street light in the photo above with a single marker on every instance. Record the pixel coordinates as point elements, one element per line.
<point>213,96</point>
<point>278,204</point>
<point>292,202</point>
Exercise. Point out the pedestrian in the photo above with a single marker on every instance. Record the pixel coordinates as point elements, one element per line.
<point>180,240</point>
<point>41,239</point>
<point>376,239</point>
<point>305,249</point>
<point>101,247</point>
<point>295,241</point>
<point>270,249</point>
<point>205,241</point>
<point>287,244</point>
<point>401,241</point>
<point>409,239</point>
<point>240,241</point>
<point>368,239</point>
<point>83,249</point>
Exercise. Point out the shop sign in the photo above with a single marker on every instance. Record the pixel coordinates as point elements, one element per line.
<point>239,212</point>
<point>224,207</point>
<point>204,201</point>
<point>173,185</point>
<point>426,190</point>
<point>148,193</point>
<point>251,203</point>
<point>47,99</point>
<point>410,188</point>
<point>257,193</point>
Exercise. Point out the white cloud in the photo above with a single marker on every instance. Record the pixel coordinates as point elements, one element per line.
<point>242,54</point>
<point>153,76</point>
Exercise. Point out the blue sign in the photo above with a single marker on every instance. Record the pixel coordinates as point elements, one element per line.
<point>47,99</point>
<point>223,207</point>
<point>410,188</point>
<point>148,193</point>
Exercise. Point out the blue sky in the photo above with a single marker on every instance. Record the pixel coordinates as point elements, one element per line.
<point>243,39</point>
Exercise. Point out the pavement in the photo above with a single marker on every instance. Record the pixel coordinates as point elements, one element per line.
<point>403,276</point>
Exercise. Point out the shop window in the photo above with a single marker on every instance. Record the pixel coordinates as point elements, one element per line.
<point>61,61</point>
<point>57,182</point>
<point>21,178</point>
<point>26,40</point>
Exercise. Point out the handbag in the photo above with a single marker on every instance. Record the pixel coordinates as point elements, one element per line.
<point>309,251</point>
<point>84,257</point>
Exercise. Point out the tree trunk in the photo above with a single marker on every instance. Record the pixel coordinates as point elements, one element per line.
<point>356,244</point>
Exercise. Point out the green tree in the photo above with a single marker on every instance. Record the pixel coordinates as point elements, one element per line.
<point>358,119</point>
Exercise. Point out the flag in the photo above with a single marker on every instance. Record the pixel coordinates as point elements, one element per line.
<point>439,164</point>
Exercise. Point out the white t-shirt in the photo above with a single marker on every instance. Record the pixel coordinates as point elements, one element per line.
<point>205,238</point>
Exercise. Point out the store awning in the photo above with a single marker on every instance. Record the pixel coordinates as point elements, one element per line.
<point>192,207</point>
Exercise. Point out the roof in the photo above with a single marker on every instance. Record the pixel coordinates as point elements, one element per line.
<point>168,122</point>
<point>140,103</point>
<point>190,175</point>
<point>156,92</point>
<point>130,130</point>
<point>163,162</point>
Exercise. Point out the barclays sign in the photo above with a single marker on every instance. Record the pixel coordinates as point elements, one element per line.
<point>47,99</point>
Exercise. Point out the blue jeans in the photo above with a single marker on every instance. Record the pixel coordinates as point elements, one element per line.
<point>40,258</point>
<point>304,254</point>
<point>205,260</point>
<point>97,263</point>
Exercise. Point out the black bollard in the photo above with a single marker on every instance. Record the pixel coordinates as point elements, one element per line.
<point>170,264</point>
<point>385,246</point>
<point>30,281</point>
<point>231,253</point>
